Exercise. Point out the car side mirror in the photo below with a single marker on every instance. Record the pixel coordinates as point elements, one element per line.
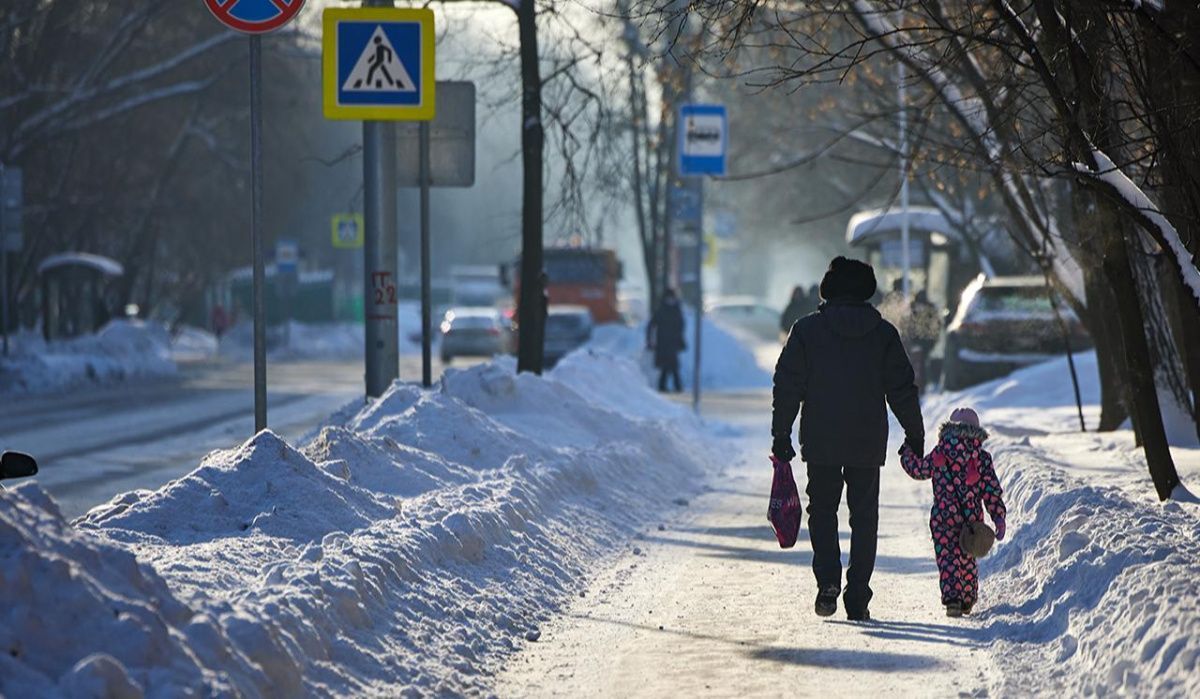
<point>14,464</point>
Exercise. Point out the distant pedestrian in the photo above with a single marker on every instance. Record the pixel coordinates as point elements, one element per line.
<point>964,485</point>
<point>220,320</point>
<point>797,307</point>
<point>664,335</point>
<point>842,364</point>
<point>920,333</point>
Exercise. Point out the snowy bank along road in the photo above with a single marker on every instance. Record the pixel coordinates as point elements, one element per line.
<point>95,442</point>
<point>408,548</point>
<point>577,535</point>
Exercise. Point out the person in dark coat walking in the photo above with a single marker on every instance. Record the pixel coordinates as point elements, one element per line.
<point>798,306</point>
<point>664,335</point>
<point>844,363</point>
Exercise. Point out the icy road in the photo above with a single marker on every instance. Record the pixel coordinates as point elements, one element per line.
<point>96,443</point>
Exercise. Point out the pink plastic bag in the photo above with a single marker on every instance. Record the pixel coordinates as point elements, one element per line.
<point>784,509</point>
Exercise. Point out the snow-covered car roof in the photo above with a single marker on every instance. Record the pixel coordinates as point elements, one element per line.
<point>1022,281</point>
<point>868,226</point>
<point>104,265</point>
<point>568,309</point>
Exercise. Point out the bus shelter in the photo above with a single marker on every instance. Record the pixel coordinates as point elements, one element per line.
<point>939,262</point>
<point>77,294</point>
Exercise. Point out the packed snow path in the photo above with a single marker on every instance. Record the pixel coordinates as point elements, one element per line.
<point>711,606</point>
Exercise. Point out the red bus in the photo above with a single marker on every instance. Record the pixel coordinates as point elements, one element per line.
<point>579,276</point>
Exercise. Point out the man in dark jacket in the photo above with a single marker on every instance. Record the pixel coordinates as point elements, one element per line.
<point>842,363</point>
<point>664,334</point>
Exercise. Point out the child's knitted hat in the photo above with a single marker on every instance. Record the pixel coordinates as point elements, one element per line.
<point>965,416</point>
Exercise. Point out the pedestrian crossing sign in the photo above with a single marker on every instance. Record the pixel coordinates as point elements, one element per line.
<point>378,63</point>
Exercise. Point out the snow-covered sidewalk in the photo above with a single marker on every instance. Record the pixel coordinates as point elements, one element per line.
<point>709,605</point>
<point>1096,591</point>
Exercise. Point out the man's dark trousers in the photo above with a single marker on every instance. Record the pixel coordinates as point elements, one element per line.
<point>862,496</point>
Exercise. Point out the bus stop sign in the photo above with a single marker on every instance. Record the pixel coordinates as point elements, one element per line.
<point>254,16</point>
<point>703,139</point>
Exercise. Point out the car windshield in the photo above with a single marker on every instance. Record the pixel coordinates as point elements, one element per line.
<point>575,268</point>
<point>566,322</point>
<point>1031,300</point>
<point>472,322</point>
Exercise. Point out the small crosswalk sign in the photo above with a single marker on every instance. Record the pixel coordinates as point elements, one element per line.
<point>378,63</point>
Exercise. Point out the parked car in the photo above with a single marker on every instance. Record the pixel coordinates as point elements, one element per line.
<point>14,464</point>
<point>746,313</point>
<point>567,327</point>
<point>473,332</point>
<point>1005,323</point>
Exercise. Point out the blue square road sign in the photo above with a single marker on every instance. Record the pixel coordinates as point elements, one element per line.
<point>378,63</point>
<point>703,139</point>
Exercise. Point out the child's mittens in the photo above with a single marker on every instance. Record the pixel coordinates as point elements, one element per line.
<point>1000,529</point>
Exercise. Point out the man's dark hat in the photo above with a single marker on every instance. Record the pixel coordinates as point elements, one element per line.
<point>848,279</point>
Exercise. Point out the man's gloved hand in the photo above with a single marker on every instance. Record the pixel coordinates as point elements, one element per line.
<point>917,444</point>
<point>1000,529</point>
<point>782,449</point>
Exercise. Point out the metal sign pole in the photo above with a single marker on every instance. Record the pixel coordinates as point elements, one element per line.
<point>380,255</point>
<point>256,187</point>
<point>4,253</point>
<point>426,272</point>
<point>699,301</point>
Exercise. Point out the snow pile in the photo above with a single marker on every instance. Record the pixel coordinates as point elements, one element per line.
<point>192,344</point>
<point>409,549</point>
<point>1097,594</point>
<point>121,350</point>
<point>725,361</point>
<point>73,604</point>
<point>1097,590</point>
<point>1042,392</point>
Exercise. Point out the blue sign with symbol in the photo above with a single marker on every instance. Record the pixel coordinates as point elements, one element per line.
<point>379,63</point>
<point>703,139</point>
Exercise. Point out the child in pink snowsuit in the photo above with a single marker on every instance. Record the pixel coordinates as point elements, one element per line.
<point>963,480</point>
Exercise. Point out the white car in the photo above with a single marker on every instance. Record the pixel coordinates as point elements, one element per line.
<point>473,332</point>
<point>746,313</point>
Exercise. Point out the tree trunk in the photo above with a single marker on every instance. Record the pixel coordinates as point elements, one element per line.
<point>530,313</point>
<point>1143,391</point>
<point>1177,138</point>
<point>647,236</point>
<point>1114,383</point>
<point>1165,357</point>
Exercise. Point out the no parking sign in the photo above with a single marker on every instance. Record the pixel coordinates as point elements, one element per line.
<point>254,16</point>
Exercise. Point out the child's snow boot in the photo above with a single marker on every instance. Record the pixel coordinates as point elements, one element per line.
<point>954,608</point>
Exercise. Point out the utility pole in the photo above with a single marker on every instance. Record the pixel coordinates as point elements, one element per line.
<point>380,251</point>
